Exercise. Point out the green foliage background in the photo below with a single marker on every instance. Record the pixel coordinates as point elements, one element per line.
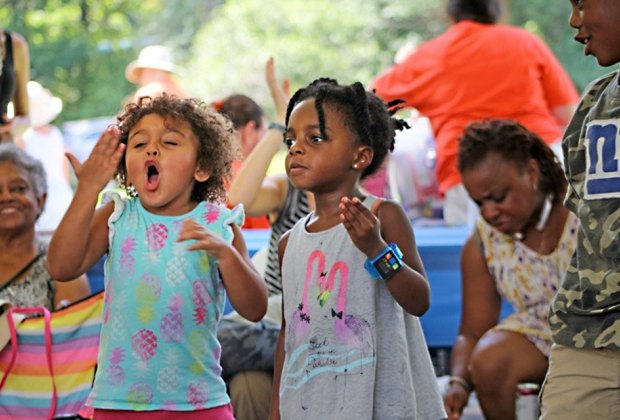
<point>79,48</point>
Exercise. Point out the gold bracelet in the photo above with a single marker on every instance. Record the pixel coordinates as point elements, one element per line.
<point>460,381</point>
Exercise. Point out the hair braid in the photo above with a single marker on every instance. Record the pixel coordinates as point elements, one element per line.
<point>291,104</point>
<point>552,174</point>
<point>318,105</point>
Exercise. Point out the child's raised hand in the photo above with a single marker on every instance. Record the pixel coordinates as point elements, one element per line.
<point>362,225</point>
<point>204,240</point>
<point>103,160</point>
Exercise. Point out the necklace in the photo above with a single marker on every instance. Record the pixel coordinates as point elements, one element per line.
<point>545,212</point>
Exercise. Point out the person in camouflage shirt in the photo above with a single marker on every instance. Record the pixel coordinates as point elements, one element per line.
<point>584,367</point>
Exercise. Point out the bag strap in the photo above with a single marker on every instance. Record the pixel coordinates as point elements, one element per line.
<point>48,348</point>
<point>22,271</point>
<point>13,332</point>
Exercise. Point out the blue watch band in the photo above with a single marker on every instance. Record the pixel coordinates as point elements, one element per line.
<point>384,265</point>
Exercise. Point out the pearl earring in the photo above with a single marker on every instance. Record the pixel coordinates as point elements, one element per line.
<point>355,166</point>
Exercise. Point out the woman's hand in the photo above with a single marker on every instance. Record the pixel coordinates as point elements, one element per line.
<point>279,94</point>
<point>455,400</point>
<point>362,225</point>
<point>103,161</point>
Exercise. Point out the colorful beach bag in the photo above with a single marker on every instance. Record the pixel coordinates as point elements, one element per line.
<point>48,367</point>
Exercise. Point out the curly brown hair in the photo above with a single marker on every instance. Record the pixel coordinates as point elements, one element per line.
<point>217,145</point>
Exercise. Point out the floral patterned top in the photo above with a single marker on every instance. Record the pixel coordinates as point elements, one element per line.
<point>36,289</point>
<point>526,279</point>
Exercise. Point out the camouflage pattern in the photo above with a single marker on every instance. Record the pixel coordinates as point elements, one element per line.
<point>585,313</point>
<point>247,346</point>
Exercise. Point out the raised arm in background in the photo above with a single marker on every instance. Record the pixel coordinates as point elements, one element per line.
<point>261,194</point>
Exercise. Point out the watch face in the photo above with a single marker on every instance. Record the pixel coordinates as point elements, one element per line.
<point>387,264</point>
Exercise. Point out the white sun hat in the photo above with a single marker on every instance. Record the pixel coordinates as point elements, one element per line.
<point>151,57</point>
<point>44,107</point>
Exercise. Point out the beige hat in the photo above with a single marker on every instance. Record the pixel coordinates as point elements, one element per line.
<point>44,107</point>
<point>151,57</point>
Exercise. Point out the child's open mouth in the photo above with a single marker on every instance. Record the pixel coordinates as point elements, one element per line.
<point>152,177</point>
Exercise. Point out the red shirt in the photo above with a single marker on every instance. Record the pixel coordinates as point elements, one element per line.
<point>476,71</point>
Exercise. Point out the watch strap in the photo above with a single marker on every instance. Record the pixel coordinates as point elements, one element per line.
<point>386,263</point>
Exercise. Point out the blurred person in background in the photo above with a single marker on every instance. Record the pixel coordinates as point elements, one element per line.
<point>24,279</point>
<point>14,75</point>
<point>250,125</point>
<point>154,72</point>
<point>45,142</point>
<point>468,74</point>
<point>519,251</point>
<point>248,119</point>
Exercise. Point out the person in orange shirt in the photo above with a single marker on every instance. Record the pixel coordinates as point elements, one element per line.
<point>479,69</point>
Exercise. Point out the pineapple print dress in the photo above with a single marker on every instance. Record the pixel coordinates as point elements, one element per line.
<point>158,348</point>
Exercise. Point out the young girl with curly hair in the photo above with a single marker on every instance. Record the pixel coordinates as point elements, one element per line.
<point>173,252</point>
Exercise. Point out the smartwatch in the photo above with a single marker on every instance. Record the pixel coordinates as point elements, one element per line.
<point>384,265</point>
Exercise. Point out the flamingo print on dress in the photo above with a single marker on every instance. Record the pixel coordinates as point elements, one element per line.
<point>301,319</point>
<point>352,331</point>
<point>339,343</point>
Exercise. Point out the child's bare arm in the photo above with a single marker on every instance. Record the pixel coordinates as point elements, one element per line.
<point>245,287</point>
<point>372,231</point>
<point>71,291</point>
<point>82,236</point>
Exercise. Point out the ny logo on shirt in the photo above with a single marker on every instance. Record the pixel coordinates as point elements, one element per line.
<point>602,160</point>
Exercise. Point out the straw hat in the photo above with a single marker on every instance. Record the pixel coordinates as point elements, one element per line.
<point>44,107</point>
<point>151,57</point>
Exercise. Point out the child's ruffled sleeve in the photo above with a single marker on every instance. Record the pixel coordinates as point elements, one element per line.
<point>236,215</point>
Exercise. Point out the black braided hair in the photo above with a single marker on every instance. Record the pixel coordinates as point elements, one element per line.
<point>514,143</point>
<point>365,115</point>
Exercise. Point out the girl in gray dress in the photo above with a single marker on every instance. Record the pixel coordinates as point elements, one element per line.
<point>353,283</point>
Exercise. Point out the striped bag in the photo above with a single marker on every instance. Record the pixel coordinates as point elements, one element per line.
<point>47,369</point>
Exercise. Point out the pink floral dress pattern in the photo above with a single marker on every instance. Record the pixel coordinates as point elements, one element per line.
<point>527,279</point>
